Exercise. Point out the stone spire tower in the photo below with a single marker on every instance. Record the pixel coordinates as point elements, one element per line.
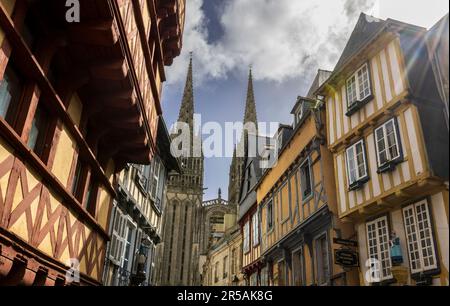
<point>186,113</point>
<point>181,228</point>
<point>236,168</point>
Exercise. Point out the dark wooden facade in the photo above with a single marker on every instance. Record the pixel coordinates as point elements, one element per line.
<point>79,101</point>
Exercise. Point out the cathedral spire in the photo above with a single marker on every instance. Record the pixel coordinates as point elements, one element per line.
<point>249,116</point>
<point>187,104</point>
<point>242,147</point>
<point>250,106</point>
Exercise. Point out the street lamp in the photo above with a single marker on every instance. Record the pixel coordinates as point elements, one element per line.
<point>140,276</point>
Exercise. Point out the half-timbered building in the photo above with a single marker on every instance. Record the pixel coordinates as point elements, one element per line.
<point>248,216</point>
<point>386,128</point>
<point>297,205</point>
<point>79,99</point>
<point>135,226</point>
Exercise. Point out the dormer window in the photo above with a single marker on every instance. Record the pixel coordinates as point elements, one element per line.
<point>359,90</point>
<point>299,113</point>
<point>279,141</point>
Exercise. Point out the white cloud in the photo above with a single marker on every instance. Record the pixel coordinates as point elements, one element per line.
<point>281,39</point>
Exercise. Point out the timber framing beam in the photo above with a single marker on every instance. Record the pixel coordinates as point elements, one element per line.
<point>29,157</point>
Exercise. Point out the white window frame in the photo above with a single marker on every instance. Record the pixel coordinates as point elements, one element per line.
<point>246,242</point>
<point>358,86</point>
<point>355,160</point>
<point>279,141</point>
<point>130,226</point>
<point>155,173</point>
<point>374,251</point>
<point>387,146</point>
<point>117,237</point>
<point>255,229</point>
<point>299,114</point>
<point>416,245</point>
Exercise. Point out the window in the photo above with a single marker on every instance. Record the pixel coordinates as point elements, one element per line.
<point>77,177</point>
<point>378,246</point>
<point>91,197</point>
<point>38,132</point>
<point>323,260</point>
<point>137,248</point>
<point>387,145</point>
<point>306,179</point>
<point>281,273</point>
<point>299,113</point>
<point>118,237</point>
<point>298,268</point>
<point>279,141</point>
<point>225,267</point>
<point>356,165</point>
<point>127,255</point>
<point>352,96</point>
<point>10,94</point>
<point>255,229</point>
<point>246,237</point>
<point>419,236</point>
<point>233,261</point>
<point>254,279</point>
<point>265,276</point>
<point>141,179</point>
<point>358,88</point>
<point>270,215</point>
<point>154,177</point>
<point>216,272</point>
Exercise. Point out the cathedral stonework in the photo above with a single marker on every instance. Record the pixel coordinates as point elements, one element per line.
<point>181,229</point>
<point>191,227</point>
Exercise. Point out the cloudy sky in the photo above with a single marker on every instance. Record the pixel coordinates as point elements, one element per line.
<point>285,41</point>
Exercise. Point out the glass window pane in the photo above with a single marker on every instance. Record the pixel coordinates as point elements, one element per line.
<point>10,91</point>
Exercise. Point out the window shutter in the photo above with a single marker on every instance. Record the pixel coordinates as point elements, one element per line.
<point>392,141</point>
<point>361,160</point>
<point>381,147</point>
<point>351,165</point>
<point>351,91</point>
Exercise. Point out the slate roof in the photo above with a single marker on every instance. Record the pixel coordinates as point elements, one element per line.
<point>321,77</point>
<point>366,27</point>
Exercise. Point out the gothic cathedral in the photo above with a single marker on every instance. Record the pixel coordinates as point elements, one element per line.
<point>181,230</point>
<point>188,222</point>
<point>237,163</point>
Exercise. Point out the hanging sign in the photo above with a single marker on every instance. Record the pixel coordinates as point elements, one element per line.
<point>346,258</point>
<point>345,242</point>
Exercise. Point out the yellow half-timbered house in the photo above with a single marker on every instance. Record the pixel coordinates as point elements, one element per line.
<point>297,206</point>
<point>386,128</point>
<point>79,99</point>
